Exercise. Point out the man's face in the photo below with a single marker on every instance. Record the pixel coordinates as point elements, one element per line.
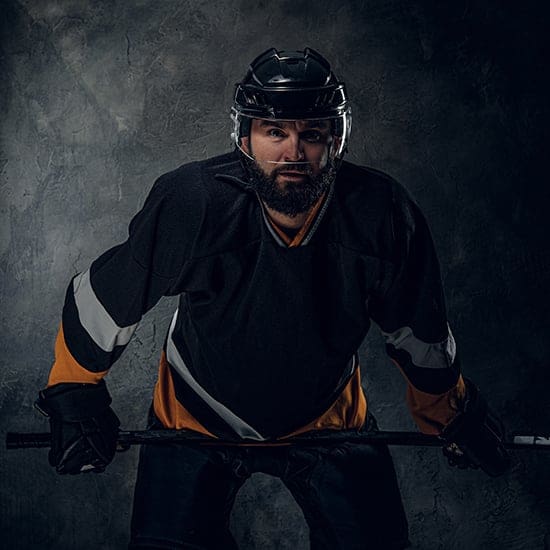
<point>291,167</point>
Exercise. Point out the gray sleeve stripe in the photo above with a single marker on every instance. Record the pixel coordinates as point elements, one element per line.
<point>430,356</point>
<point>94,317</point>
<point>237,424</point>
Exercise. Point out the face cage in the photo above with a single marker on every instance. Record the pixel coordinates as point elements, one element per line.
<point>341,129</point>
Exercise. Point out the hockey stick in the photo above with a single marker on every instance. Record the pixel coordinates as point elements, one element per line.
<point>15,440</point>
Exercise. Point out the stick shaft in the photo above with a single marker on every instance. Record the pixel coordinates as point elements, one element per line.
<point>16,440</point>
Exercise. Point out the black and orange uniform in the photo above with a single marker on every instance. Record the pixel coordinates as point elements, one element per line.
<point>264,341</point>
<point>264,345</point>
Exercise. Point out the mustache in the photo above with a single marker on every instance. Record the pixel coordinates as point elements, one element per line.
<point>306,170</point>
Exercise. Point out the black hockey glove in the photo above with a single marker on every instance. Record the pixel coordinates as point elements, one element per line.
<point>84,428</point>
<point>475,436</point>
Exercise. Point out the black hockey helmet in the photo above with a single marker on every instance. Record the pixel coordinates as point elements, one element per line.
<point>292,85</point>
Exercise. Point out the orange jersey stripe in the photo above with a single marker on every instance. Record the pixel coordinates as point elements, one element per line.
<point>348,412</point>
<point>284,237</point>
<point>67,369</point>
<point>168,409</point>
<point>303,230</point>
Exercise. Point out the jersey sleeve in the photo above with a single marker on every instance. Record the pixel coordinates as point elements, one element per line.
<point>104,304</point>
<point>410,310</point>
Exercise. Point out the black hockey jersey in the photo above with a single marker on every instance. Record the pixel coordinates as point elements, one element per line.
<point>265,338</point>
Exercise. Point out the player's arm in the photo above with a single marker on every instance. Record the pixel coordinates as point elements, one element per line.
<point>103,306</point>
<point>410,310</point>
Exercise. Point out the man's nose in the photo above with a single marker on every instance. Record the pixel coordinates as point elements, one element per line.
<point>294,150</point>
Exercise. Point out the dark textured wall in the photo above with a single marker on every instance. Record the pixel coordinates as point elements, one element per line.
<point>99,98</point>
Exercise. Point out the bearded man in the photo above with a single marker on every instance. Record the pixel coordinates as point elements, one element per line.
<point>282,254</point>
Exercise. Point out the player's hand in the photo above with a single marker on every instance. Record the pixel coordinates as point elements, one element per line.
<point>456,457</point>
<point>475,437</point>
<point>84,428</point>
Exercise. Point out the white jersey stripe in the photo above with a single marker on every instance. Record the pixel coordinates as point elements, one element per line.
<point>440,355</point>
<point>96,319</point>
<point>237,424</point>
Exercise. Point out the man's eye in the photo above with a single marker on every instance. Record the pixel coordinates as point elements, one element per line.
<point>275,132</point>
<point>313,136</point>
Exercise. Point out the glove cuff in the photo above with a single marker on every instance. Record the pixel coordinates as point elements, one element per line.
<point>478,433</point>
<point>74,402</point>
<point>472,414</point>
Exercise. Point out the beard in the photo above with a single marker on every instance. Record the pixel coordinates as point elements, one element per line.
<point>291,197</point>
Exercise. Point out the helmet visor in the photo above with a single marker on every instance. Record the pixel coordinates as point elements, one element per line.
<point>278,141</point>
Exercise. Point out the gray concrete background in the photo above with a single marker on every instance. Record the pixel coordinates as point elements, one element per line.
<point>99,98</point>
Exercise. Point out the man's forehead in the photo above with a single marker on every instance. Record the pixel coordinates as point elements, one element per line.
<point>299,124</point>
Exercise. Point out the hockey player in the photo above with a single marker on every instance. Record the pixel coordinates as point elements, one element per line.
<point>282,254</point>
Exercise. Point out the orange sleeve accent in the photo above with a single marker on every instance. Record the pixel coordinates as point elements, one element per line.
<point>168,409</point>
<point>348,412</point>
<point>433,412</point>
<point>67,369</point>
